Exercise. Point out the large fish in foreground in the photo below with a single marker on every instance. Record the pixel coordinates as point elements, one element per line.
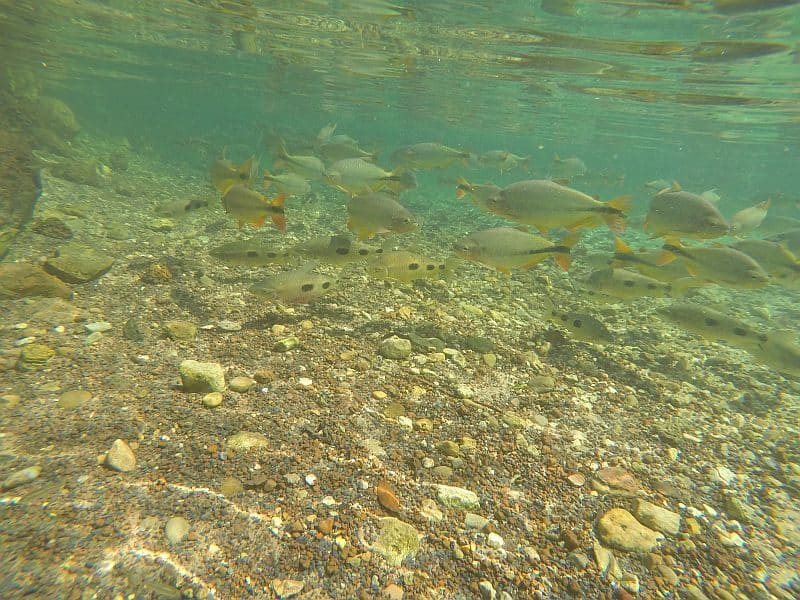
<point>378,212</point>
<point>248,206</point>
<point>646,263</point>
<point>676,213</point>
<point>546,205</point>
<point>507,248</point>
<point>722,265</point>
<point>301,285</point>
<point>776,259</point>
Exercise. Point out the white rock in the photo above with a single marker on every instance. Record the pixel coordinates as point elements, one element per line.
<point>456,497</point>
<point>657,517</point>
<point>177,530</point>
<point>494,540</point>
<point>121,457</point>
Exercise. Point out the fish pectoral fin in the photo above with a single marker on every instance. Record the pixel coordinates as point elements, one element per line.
<point>621,247</point>
<point>563,261</point>
<point>259,222</point>
<point>589,221</point>
<point>665,258</point>
<point>279,220</point>
<point>534,261</point>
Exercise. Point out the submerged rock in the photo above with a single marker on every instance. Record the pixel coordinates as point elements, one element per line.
<point>619,529</point>
<point>202,376</point>
<point>396,541</point>
<point>22,280</point>
<point>77,263</point>
<point>394,347</point>
<point>51,227</point>
<point>121,458</point>
<point>34,356</point>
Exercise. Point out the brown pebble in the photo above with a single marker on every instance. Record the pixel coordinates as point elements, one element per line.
<point>387,497</point>
<point>570,540</point>
<point>325,526</point>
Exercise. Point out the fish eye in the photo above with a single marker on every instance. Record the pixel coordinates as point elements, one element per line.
<point>739,331</point>
<point>326,285</point>
<point>342,251</point>
<point>577,323</point>
<point>430,267</point>
<point>628,283</point>
<point>711,322</point>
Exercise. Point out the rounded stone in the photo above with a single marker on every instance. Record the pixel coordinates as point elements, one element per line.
<point>619,529</point>
<point>212,399</point>
<point>121,457</point>
<point>395,348</point>
<point>181,330</point>
<point>177,530</point>
<point>241,384</point>
<point>448,448</point>
<point>202,377</point>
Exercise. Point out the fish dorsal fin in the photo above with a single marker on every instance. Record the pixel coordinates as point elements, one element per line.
<point>765,204</point>
<point>561,181</point>
<point>675,187</point>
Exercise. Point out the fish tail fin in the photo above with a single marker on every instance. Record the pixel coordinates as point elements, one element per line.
<point>259,222</point>
<point>267,179</point>
<point>616,220</point>
<point>557,158</point>
<point>765,204</point>
<point>463,187</point>
<point>669,251</point>
<point>278,216</point>
<point>373,156</point>
<point>460,193</point>
<point>680,287</point>
<point>620,247</point>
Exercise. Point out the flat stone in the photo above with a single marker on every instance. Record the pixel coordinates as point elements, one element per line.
<point>395,348</point>
<point>34,356</point>
<point>396,541</point>
<point>22,280</point>
<point>286,588</point>
<point>180,330</point>
<point>473,521</point>
<point>76,263</point>
<point>658,518</point>
<point>121,457</point>
<point>286,344</point>
<point>615,481</point>
<point>619,529</point>
<point>202,376</point>
<point>456,497</point>
<point>247,440</point>
<point>21,477</point>
<point>177,530</point>
<point>74,398</point>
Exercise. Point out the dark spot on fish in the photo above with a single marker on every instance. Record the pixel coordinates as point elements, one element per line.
<point>577,323</point>
<point>252,254</point>
<point>307,287</point>
<point>762,337</point>
<point>379,251</point>
<point>711,322</point>
<point>244,176</point>
<point>363,252</point>
<point>430,267</point>
<point>740,332</point>
<point>651,286</point>
<point>272,254</point>
<point>413,266</point>
<point>442,267</point>
<point>628,283</point>
<point>326,285</point>
<point>343,251</point>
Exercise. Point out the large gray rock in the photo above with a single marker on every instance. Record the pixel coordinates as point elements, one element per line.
<point>77,263</point>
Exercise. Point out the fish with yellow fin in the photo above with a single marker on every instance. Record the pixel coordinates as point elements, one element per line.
<point>289,184</point>
<point>646,263</point>
<point>777,260</point>
<point>581,326</point>
<point>507,248</point>
<point>623,284</point>
<point>674,212</point>
<point>225,174</point>
<point>722,265</point>
<point>479,193</point>
<point>406,266</point>
<point>748,219</point>
<point>546,204</point>
<point>356,176</point>
<point>300,285</point>
<point>250,253</point>
<point>378,212</point>
<point>307,166</point>
<point>336,249</point>
<point>248,206</point>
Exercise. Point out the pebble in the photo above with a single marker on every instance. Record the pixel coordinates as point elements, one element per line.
<point>577,479</point>
<point>74,398</point>
<point>392,592</point>
<point>202,376</point>
<point>395,348</point>
<point>247,440</point>
<point>542,383</point>
<point>77,263</point>
<point>286,588</point>
<point>606,561</point>
<point>448,448</point>
<point>489,359</point>
<point>305,382</point>
<point>658,518</point>
<point>456,497</point>
<point>180,330</point>
<point>442,472</point>
<point>396,541</point>
<point>723,475</point>
<point>578,559</point>
<point>474,521</point>
<point>487,590</point>
<point>212,399</point>
<point>405,423</point>
<point>98,326</point>
<point>692,592</point>
<point>311,479</point>
<point>619,529</point>
<point>430,510</point>
<point>464,391</point>
<point>615,481</point>
<point>241,384</point>
<point>34,356</point>
<point>286,344</point>
<point>495,540</point>
<point>93,338</point>
<point>21,477</point>
<point>177,530</point>
<point>120,457</point>
<point>226,325</point>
